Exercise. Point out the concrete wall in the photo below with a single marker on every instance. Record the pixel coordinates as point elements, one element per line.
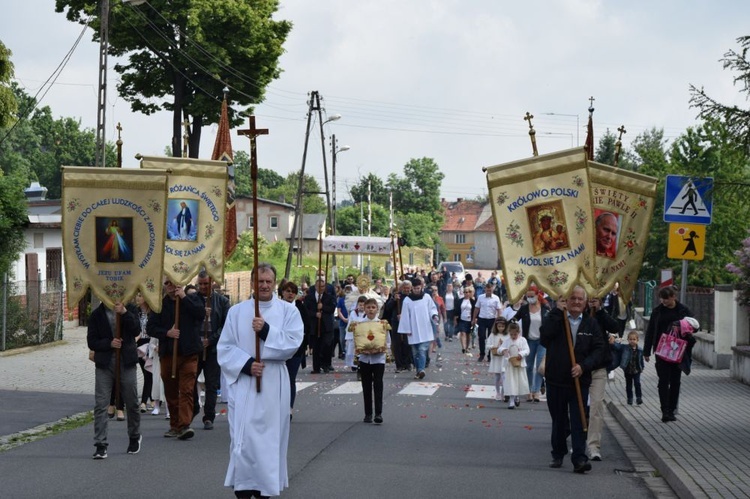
<point>486,253</point>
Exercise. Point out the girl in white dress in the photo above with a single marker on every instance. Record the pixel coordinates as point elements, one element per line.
<point>497,361</point>
<point>515,349</point>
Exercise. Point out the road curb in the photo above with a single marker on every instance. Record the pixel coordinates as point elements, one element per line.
<point>678,480</point>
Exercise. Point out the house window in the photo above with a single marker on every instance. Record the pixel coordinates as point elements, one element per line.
<point>460,238</point>
<point>250,222</point>
<point>273,222</point>
<point>457,257</point>
<point>38,240</point>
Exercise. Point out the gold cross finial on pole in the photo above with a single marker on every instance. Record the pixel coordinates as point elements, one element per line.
<point>532,132</point>
<point>591,104</point>
<point>618,145</point>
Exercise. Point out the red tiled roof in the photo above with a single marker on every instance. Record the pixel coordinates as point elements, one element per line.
<point>461,215</point>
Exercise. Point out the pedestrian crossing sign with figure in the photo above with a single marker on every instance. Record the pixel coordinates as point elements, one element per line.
<point>686,242</point>
<point>688,199</point>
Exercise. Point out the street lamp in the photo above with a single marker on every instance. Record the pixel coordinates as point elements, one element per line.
<point>334,117</point>
<point>578,124</point>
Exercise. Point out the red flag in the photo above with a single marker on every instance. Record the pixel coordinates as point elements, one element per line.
<point>223,152</point>
<point>590,137</point>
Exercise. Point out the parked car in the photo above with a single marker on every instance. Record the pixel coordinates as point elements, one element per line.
<point>456,267</point>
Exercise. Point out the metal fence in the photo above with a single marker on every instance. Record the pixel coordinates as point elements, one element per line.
<point>700,301</point>
<point>32,312</point>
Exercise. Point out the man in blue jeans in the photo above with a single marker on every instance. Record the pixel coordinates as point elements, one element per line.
<point>417,317</point>
<point>487,310</point>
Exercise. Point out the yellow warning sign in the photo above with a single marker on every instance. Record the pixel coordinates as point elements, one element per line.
<point>686,241</point>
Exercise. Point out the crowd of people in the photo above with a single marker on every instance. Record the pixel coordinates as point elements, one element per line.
<point>563,349</point>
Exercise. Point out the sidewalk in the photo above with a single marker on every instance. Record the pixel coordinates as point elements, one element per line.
<point>706,452</point>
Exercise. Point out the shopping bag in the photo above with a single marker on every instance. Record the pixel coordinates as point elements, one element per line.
<point>671,348</point>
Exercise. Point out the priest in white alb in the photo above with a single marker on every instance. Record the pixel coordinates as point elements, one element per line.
<point>418,315</point>
<point>259,421</point>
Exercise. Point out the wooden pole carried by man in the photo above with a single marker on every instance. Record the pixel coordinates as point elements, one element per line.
<point>253,132</point>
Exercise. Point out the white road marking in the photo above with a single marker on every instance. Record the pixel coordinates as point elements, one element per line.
<point>481,392</point>
<point>348,388</point>
<point>420,388</point>
<point>301,385</point>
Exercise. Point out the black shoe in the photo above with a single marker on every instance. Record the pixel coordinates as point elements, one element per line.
<point>420,375</point>
<point>639,401</point>
<point>135,445</point>
<point>582,467</point>
<point>368,418</point>
<point>667,416</point>
<point>208,425</point>
<point>378,419</point>
<point>315,371</point>
<point>481,358</point>
<point>630,401</point>
<point>556,463</point>
<point>100,452</point>
<point>186,433</point>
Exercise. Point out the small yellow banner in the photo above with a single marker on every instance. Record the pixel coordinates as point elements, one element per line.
<point>686,241</point>
<point>113,233</point>
<point>196,209</point>
<point>622,209</point>
<point>543,222</point>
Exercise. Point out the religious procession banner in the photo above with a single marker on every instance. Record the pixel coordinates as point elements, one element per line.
<point>542,211</point>
<point>623,206</point>
<point>357,245</point>
<point>196,208</point>
<point>113,225</point>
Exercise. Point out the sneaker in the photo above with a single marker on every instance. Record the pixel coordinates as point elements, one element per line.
<point>378,419</point>
<point>420,375</point>
<point>517,401</point>
<point>630,401</point>
<point>512,405</point>
<point>208,425</point>
<point>156,411</point>
<point>166,416</point>
<point>100,452</point>
<point>556,463</point>
<point>120,416</point>
<point>595,456</point>
<point>135,445</point>
<point>186,433</point>
<point>368,419</point>
<point>142,408</point>
<point>639,401</point>
<point>171,433</point>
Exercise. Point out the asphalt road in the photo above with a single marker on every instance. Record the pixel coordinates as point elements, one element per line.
<point>444,442</point>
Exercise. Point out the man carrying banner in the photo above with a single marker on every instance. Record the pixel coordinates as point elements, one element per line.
<point>101,339</point>
<point>320,306</point>
<point>562,375</point>
<point>259,419</point>
<point>186,338</point>
<point>216,314</point>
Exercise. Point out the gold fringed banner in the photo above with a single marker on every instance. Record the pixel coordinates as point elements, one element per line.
<point>622,209</point>
<point>542,211</point>
<point>113,229</point>
<point>196,209</point>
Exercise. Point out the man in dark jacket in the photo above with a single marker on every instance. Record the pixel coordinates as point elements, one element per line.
<point>561,373</point>
<point>101,339</point>
<point>320,306</point>
<point>185,335</point>
<point>213,322</point>
<point>399,342</point>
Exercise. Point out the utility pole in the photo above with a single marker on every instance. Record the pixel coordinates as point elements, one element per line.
<point>313,106</point>
<point>99,154</point>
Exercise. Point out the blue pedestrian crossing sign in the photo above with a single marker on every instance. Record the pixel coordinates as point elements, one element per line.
<point>688,199</point>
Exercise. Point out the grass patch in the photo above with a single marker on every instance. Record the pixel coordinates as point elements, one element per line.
<point>46,430</point>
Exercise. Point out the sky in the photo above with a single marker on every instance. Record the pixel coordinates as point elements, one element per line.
<point>445,79</point>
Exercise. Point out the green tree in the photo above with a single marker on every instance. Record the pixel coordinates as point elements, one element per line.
<point>736,120</point>
<point>418,191</point>
<point>419,229</point>
<point>8,104</point>
<point>348,220</point>
<point>380,193</point>
<point>311,203</point>
<point>709,150</point>
<point>605,151</point>
<point>267,179</point>
<point>13,217</point>
<point>39,145</point>
<point>182,53</point>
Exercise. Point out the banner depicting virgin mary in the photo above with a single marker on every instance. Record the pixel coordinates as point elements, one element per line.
<point>196,209</point>
<point>543,222</point>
